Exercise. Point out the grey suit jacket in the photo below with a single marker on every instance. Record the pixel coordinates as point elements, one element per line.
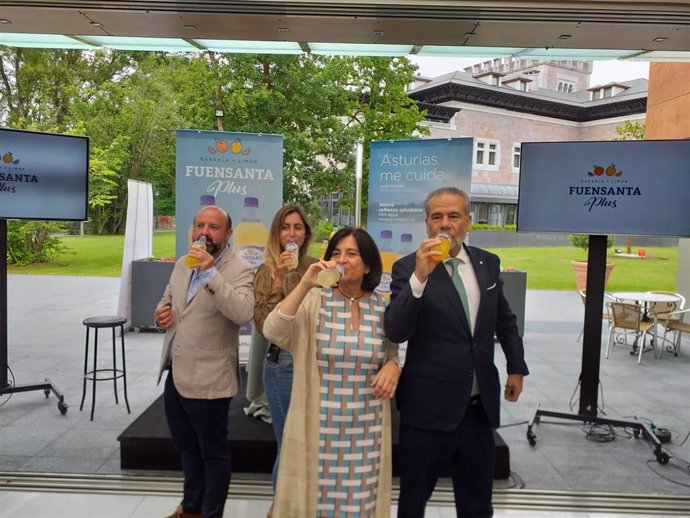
<point>205,336</point>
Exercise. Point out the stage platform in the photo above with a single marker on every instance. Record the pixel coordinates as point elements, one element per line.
<point>146,443</point>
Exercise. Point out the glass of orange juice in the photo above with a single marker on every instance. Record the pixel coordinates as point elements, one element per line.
<point>443,247</point>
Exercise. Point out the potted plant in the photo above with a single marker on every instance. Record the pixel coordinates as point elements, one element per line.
<point>580,267</point>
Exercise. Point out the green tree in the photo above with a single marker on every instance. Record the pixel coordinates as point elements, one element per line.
<point>38,87</point>
<point>630,131</point>
<point>321,105</point>
<point>33,241</point>
<point>130,103</point>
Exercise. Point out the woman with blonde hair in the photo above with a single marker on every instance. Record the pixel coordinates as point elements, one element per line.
<point>275,278</point>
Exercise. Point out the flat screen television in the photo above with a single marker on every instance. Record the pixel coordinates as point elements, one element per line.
<point>639,187</point>
<point>43,175</point>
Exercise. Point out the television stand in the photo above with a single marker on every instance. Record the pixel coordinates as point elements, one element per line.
<point>47,387</point>
<point>637,427</point>
<point>5,387</point>
<point>591,356</point>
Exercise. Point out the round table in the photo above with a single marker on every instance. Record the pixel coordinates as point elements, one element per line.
<point>645,297</point>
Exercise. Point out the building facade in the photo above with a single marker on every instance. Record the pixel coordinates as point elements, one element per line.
<point>504,102</point>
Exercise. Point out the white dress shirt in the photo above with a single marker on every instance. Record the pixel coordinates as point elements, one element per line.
<point>469,279</point>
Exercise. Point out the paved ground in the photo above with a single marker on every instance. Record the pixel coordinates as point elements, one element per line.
<point>47,340</point>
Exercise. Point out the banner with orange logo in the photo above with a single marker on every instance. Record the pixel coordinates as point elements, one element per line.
<point>637,187</point>
<point>239,172</point>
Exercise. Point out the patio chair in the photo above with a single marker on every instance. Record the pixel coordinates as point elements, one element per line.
<point>627,317</point>
<point>665,312</point>
<point>676,324</point>
<point>605,316</point>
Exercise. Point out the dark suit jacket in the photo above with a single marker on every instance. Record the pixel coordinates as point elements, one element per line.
<point>436,382</point>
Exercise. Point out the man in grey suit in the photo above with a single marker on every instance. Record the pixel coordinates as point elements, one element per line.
<point>202,310</point>
<point>449,310</point>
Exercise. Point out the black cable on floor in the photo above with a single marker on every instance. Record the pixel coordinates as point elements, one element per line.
<point>680,465</point>
<point>514,424</point>
<point>599,432</point>
<point>685,439</point>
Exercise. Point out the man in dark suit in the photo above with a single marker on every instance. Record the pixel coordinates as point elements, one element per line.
<point>449,391</point>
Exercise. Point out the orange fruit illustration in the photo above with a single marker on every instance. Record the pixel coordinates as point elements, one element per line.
<point>221,146</point>
<point>598,170</point>
<point>236,146</point>
<point>7,157</point>
<point>611,170</point>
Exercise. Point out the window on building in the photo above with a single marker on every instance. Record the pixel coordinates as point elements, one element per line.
<point>492,154</point>
<point>495,214</point>
<point>608,91</point>
<point>517,148</point>
<point>481,213</point>
<point>487,154</point>
<point>510,213</point>
<point>596,94</point>
<point>566,86</point>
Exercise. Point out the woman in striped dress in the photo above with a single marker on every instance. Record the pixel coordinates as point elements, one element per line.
<point>336,454</point>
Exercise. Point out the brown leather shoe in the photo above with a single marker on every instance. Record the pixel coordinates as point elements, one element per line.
<point>180,513</point>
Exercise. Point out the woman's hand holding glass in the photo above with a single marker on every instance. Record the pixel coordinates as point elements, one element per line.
<point>386,380</point>
<point>311,276</point>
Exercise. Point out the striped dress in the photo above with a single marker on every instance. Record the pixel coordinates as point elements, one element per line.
<point>350,416</point>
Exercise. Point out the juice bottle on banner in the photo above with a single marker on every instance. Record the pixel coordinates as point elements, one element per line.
<point>190,261</point>
<point>293,248</point>
<point>251,235</point>
<point>406,246</point>
<point>388,257</point>
<point>204,200</point>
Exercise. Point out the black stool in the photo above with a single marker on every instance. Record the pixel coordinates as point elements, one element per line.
<point>92,375</point>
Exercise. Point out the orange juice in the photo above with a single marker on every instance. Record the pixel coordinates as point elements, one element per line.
<point>443,247</point>
<point>191,261</point>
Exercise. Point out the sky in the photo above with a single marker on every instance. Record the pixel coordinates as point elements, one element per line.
<point>603,71</point>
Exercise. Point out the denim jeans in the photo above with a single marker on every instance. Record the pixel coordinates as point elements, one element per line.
<point>278,386</point>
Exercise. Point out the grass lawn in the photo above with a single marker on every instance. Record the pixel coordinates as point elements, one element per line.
<point>549,268</point>
<point>94,255</point>
<point>546,267</point>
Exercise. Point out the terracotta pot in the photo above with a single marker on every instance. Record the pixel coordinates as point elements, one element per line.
<point>580,269</point>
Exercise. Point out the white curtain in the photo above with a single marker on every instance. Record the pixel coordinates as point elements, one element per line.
<point>138,239</point>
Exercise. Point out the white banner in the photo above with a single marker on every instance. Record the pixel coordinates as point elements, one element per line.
<point>138,239</point>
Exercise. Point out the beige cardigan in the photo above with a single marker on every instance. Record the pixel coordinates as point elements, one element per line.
<point>297,487</point>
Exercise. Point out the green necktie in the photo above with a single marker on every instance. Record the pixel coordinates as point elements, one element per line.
<point>460,286</point>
